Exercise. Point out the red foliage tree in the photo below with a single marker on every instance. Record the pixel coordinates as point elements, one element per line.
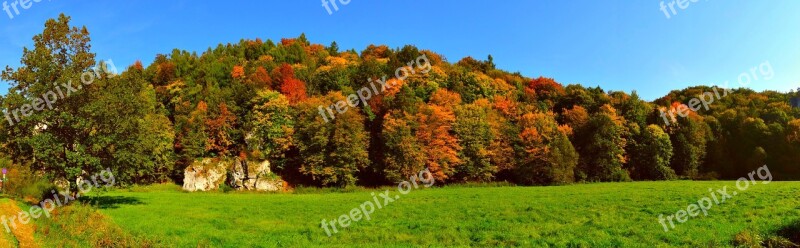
<point>543,88</point>
<point>293,88</point>
<point>287,41</point>
<point>138,65</point>
<point>260,78</point>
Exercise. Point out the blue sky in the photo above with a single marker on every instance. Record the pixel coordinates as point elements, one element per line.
<point>618,45</point>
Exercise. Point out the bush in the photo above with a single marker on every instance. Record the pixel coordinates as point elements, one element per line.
<point>747,239</point>
<point>36,191</point>
<point>22,183</point>
<point>620,175</point>
<point>327,190</point>
<point>778,242</point>
<point>225,188</point>
<point>708,176</point>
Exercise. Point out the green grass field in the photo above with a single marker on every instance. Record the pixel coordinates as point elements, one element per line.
<point>584,215</point>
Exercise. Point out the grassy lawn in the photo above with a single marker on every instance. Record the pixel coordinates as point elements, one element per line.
<point>586,215</point>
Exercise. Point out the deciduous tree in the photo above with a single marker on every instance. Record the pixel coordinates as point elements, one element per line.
<point>331,152</point>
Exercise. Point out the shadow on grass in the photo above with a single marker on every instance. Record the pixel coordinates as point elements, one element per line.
<point>107,202</point>
<point>791,232</point>
<point>787,236</point>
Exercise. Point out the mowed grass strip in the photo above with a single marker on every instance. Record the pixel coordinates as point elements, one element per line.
<point>588,215</point>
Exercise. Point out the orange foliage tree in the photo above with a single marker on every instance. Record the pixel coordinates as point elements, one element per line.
<point>577,117</point>
<point>549,157</point>
<point>237,72</point>
<point>165,73</point>
<point>435,135</point>
<point>219,130</point>
<point>260,78</point>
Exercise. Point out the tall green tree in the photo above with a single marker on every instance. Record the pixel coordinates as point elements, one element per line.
<point>270,127</point>
<point>51,137</point>
<point>651,155</point>
<point>601,147</point>
<point>404,155</point>
<point>474,133</point>
<point>331,152</point>
<point>688,137</point>
<point>130,131</point>
<point>91,121</point>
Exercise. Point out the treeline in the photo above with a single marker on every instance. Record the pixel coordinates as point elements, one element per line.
<point>465,121</point>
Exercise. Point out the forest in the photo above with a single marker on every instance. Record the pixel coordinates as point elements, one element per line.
<point>465,120</point>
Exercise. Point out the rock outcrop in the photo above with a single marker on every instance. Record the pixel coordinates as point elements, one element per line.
<point>204,175</point>
<point>207,174</point>
<point>250,175</point>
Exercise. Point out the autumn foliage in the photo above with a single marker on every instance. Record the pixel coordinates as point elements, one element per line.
<point>260,78</point>
<point>439,145</point>
<point>543,88</point>
<point>237,72</point>
<point>467,121</point>
<point>293,88</point>
<point>219,129</point>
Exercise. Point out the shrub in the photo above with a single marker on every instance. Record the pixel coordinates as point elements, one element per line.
<point>22,183</point>
<point>778,242</point>
<point>747,239</point>
<point>225,188</point>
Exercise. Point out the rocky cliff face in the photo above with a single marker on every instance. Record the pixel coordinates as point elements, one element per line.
<point>204,175</point>
<point>251,175</point>
<point>208,174</point>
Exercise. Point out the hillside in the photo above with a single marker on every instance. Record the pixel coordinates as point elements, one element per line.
<point>325,117</point>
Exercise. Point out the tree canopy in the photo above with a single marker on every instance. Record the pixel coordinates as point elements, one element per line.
<point>464,121</point>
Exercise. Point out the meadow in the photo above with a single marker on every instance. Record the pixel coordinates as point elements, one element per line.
<point>582,215</point>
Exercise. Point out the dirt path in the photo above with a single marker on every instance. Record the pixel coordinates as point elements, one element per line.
<point>22,233</point>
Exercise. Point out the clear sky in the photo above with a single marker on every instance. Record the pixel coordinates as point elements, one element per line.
<point>618,45</point>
